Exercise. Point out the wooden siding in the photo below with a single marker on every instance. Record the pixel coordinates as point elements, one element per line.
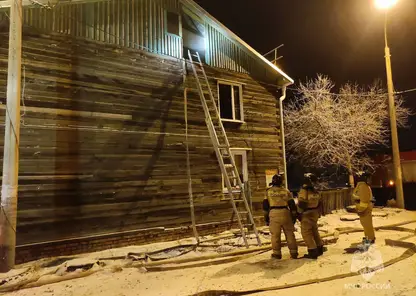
<point>102,140</point>
<point>224,53</point>
<point>141,24</point>
<point>129,23</point>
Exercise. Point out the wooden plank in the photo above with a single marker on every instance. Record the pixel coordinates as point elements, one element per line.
<point>102,151</point>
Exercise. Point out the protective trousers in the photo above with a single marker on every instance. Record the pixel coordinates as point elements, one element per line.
<point>309,229</point>
<point>281,219</point>
<point>366,219</point>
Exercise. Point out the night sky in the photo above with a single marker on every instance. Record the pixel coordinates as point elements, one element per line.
<point>340,38</point>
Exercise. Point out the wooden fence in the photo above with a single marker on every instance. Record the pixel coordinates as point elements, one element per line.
<point>336,199</point>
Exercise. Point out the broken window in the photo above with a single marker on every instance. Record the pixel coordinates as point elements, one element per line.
<point>173,23</point>
<point>230,101</point>
<point>240,159</point>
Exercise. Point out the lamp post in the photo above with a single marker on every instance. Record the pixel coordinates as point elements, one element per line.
<point>385,5</point>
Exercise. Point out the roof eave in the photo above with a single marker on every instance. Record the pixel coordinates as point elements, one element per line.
<point>238,39</point>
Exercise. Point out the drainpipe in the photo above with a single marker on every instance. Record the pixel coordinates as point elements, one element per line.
<point>282,131</point>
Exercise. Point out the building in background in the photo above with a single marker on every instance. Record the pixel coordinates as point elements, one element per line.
<point>383,178</point>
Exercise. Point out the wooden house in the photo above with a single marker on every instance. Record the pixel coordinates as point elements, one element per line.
<point>103,133</point>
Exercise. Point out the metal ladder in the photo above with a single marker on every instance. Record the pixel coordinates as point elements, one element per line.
<point>222,147</point>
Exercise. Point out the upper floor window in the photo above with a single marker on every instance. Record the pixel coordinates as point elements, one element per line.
<point>173,23</point>
<point>230,96</point>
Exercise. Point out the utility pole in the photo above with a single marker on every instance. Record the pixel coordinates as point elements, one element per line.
<point>393,124</point>
<point>8,215</point>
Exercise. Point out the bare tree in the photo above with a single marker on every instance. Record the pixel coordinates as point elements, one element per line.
<point>326,129</point>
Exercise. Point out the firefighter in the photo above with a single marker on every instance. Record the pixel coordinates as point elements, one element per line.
<point>363,204</point>
<point>309,212</point>
<point>278,217</point>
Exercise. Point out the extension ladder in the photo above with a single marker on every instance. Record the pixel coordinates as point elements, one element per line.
<point>222,148</point>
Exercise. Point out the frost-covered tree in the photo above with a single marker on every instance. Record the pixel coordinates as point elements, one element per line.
<point>327,129</point>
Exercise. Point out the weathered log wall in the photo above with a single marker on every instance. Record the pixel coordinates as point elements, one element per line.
<point>102,140</point>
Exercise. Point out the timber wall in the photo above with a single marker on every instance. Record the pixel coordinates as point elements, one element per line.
<point>128,23</point>
<point>102,142</point>
<point>141,24</point>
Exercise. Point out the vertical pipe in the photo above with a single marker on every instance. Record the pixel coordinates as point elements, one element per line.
<point>9,188</point>
<point>188,168</point>
<point>282,132</point>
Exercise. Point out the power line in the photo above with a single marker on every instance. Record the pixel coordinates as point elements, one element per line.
<point>364,94</point>
<point>405,91</point>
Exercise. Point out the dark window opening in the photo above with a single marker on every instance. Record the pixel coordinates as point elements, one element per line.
<point>173,23</point>
<point>226,105</point>
<point>237,103</point>
<point>230,101</point>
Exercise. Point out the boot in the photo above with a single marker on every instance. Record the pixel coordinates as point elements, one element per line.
<point>365,244</point>
<point>277,256</point>
<point>321,250</point>
<point>312,254</point>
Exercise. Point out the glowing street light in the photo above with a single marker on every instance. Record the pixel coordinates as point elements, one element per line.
<point>385,4</point>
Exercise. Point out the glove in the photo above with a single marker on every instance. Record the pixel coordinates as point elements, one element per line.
<point>267,219</point>
<point>294,216</point>
<point>361,207</point>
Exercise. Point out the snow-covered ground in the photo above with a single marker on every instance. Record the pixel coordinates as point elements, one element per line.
<point>257,271</point>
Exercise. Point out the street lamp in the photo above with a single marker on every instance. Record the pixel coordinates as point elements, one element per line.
<point>385,5</point>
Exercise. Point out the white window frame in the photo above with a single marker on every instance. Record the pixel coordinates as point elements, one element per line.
<point>243,153</point>
<point>166,23</point>
<point>240,86</point>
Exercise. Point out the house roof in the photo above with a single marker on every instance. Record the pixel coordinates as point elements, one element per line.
<point>237,39</point>
<point>208,18</point>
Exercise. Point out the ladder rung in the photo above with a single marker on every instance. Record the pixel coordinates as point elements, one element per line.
<point>228,165</point>
<point>222,146</point>
<point>243,213</point>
